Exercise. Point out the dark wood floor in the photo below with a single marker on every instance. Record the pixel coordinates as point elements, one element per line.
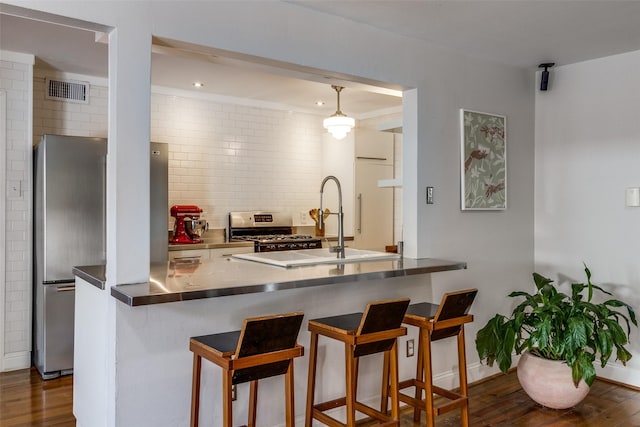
<point>501,401</point>
<point>26,400</point>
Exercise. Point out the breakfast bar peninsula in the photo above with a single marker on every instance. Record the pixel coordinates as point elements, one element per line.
<point>149,367</point>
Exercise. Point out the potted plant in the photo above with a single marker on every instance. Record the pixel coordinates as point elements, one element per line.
<point>568,331</point>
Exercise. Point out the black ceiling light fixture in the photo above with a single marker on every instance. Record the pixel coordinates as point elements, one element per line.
<point>544,80</point>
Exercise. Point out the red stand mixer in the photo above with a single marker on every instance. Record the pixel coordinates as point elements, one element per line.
<point>188,226</point>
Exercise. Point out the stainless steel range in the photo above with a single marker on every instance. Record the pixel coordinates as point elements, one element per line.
<point>269,232</point>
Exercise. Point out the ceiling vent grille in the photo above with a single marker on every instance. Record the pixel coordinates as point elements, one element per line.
<point>68,91</point>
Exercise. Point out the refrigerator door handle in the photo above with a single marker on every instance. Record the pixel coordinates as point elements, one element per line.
<point>58,282</point>
<point>66,288</point>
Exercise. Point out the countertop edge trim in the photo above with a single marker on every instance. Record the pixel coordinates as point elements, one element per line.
<point>135,301</point>
<point>89,278</point>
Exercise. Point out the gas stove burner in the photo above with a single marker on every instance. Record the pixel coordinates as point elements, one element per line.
<point>286,237</point>
<point>272,237</point>
<point>299,237</point>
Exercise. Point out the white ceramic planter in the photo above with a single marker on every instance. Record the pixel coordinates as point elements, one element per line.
<point>549,382</point>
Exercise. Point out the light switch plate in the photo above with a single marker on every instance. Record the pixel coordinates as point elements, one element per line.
<point>14,189</point>
<point>633,197</point>
<point>429,195</point>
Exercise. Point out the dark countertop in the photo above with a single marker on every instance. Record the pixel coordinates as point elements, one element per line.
<point>181,281</point>
<point>94,274</point>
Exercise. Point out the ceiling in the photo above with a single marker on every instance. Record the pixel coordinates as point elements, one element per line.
<point>520,33</point>
<point>523,33</point>
<point>178,65</point>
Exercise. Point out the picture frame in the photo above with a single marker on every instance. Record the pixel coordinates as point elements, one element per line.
<point>483,165</point>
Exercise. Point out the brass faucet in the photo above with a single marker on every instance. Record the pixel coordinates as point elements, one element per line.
<point>340,248</point>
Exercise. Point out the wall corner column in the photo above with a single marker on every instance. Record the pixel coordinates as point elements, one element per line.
<point>127,223</point>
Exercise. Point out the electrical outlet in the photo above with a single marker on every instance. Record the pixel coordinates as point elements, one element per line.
<point>410,348</point>
<point>234,392</point>
<point>305,219</point>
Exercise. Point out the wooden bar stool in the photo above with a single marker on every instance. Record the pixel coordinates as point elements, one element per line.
<point>374,331</point>
<point>265,347</point>
<point>437,322</point>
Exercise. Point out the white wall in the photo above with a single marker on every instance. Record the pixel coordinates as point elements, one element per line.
<point>16,83</point>
<point>497,245</point>
<point>587,154</point>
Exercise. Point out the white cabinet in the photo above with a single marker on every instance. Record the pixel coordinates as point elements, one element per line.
<point>373,222</point>
<point>225,252</point>
<point>374,146</point>
<point>373,206</point>
<point>203,254</point>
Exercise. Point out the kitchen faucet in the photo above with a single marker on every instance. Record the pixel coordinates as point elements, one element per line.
<point>340,248</point>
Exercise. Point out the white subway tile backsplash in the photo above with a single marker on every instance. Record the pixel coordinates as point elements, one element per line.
<point>227,157</point>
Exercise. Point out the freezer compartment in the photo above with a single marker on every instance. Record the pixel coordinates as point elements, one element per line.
<point>53,343</point>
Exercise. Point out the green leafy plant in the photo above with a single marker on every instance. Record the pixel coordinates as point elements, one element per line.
<point>556,326</point>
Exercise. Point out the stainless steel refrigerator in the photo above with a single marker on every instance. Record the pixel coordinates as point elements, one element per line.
<point>159,200</point>
<point>69,230</point>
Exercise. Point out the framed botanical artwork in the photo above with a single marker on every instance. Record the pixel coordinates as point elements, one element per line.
<point>483,165</point>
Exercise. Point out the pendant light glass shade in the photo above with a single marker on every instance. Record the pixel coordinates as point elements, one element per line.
<point>339,125</point>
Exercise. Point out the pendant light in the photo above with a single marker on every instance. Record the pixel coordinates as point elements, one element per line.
<point>339,125</point>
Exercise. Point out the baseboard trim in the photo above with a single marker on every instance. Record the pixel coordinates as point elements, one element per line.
<point>618,374</point>
<point>15,361</point>
<point>624,376</point>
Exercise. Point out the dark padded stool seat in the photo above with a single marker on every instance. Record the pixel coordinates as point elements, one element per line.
<point>345,322</point>
<point>265,347</point>
<point>421,310</point>
<point>226,342</point>
<point>374,331</point>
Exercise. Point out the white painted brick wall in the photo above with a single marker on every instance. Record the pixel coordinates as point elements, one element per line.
<point>14,80</point>
<point>230,157</point>
<point>67,118</point>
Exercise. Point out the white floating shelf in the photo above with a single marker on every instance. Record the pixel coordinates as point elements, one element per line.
<point>390,182</point>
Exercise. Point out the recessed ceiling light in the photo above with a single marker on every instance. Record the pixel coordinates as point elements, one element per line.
<point>319,103</point>
<point>198,84</point>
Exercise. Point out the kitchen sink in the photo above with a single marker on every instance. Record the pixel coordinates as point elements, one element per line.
<point>315,256</point>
